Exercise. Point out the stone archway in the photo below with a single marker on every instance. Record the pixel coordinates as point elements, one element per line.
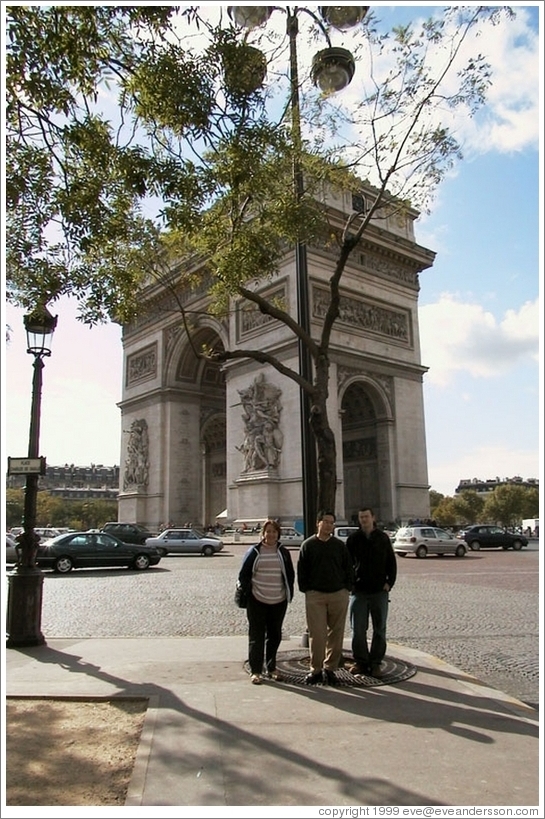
<point>214,469</point>
<point>366,450</point>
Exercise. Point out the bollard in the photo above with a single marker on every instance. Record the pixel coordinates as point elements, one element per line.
<point>304,639</point>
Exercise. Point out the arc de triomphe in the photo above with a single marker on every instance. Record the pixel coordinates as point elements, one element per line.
<point>199,438</point>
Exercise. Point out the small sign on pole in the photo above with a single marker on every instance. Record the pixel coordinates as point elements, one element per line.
<point>26,466</point>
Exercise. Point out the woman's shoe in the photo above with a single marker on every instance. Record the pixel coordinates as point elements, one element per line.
<point>276,676</point>
<point>256,679</point>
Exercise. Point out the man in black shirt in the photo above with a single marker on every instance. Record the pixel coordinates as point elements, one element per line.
<point>375,566</point>
<point>325,576</point>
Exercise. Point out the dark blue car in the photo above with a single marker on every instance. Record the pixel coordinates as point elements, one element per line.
<point>84,550</point>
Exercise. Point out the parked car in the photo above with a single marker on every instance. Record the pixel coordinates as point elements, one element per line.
<point>83,550</point>
<point>289,536</point>
<point>128,532</point>
<point>11,549</point>
<point>342,532</point>
<point>185,541</point>
<point>427,540</point>
<point>484,536</point>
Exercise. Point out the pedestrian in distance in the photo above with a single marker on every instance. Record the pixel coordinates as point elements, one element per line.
<point>325,576</point>
<point>375,568</point>
<point>267,578</point>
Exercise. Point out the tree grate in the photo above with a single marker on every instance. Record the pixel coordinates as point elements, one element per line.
<point>295,665</point>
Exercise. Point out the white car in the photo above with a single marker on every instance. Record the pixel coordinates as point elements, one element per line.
<point>185,541</point>
<point>342,532</point>
<point>427,540</point>
<point>290,536</point>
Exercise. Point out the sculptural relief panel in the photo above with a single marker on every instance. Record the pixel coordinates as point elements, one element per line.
<point>263,438</point>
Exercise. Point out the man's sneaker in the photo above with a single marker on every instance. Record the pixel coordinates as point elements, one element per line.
<point>330,676</point>
<point>376,670</point>
<point>358,670</point>
<point>313,678</point>
<point>256,679</point>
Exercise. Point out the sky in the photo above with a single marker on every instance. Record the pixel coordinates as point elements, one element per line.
<point>480,305</point>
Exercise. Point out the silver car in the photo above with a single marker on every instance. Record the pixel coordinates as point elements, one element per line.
<point>427,540</point>
<point>185,541</point>
<point>289,536</point>
<point>11,549</point>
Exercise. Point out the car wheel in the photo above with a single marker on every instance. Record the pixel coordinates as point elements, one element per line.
<point>460,551</point>
<point>517,545</point>
<point>141,562</point>
<point>475,546</point>
<point>208,551</point>
<point>421,551</point>
<point>63,565</point>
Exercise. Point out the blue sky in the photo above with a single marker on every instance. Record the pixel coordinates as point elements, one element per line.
<point>480,305</point>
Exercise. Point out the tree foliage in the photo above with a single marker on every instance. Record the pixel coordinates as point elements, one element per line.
<point>193,160</point>
<point>507,505</point>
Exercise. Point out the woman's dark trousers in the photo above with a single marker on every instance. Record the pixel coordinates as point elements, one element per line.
<point>264,633</point>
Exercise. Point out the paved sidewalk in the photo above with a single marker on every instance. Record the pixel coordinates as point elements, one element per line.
<point>210,738</point>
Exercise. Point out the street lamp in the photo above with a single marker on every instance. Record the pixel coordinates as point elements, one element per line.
<point>332,70</point>
<point>25,583</point>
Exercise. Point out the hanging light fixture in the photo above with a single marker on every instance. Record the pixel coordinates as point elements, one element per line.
<point>244,69</point>
<point>332,69</point>
<point>249,16</point>
<point>40,326</point>
<point>343,17</point>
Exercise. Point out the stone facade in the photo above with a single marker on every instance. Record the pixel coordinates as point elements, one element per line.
<point>228,437</point>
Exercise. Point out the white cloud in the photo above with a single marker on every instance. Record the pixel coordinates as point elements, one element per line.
<point>464,337</point>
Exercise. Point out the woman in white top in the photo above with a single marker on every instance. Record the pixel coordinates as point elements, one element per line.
<point>267,577</point>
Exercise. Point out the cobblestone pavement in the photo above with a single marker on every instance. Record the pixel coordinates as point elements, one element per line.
<point>479,613</point>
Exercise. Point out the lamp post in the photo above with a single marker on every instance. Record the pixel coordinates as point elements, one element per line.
<point>25,583</point>
<point>332,70</point>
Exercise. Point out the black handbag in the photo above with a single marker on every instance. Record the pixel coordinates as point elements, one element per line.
<point>241,599</point>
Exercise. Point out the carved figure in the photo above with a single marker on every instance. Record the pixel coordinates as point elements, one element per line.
<point>263,439</point>
<point>137,462</point>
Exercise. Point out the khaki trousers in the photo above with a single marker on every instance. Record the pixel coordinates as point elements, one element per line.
<point>326,619</point>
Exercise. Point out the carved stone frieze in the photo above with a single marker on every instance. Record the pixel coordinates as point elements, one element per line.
<point>142,365</point>
<point>365,315</point>
<point>388,267</point>
<point>360,449</point>
<point>249,316</point>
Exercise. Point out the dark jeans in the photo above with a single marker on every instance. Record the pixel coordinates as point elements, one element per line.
<point>264,633</point>
<point>361,607</point>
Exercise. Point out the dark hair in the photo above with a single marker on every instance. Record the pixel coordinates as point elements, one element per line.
<point>274,524</point>
<point>322,513</point>
<point>366,509</point>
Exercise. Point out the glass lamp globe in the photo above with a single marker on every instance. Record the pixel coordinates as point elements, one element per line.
<point>39,326</point>
<point>249,16</point>
<point>332,69</point>
<point>343,17</point>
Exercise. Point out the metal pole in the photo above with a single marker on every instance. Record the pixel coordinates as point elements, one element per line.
<point>25,584</point>
<point>308,444</point>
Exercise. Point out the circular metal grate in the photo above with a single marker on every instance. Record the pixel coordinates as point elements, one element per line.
<point>295,665</point>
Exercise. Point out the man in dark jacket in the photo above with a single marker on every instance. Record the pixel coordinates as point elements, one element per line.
<point>376,570</point>
<point>326,577</point>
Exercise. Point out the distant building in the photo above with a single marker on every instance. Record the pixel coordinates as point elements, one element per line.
<point>488,486</point>
<point>75,482</point>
